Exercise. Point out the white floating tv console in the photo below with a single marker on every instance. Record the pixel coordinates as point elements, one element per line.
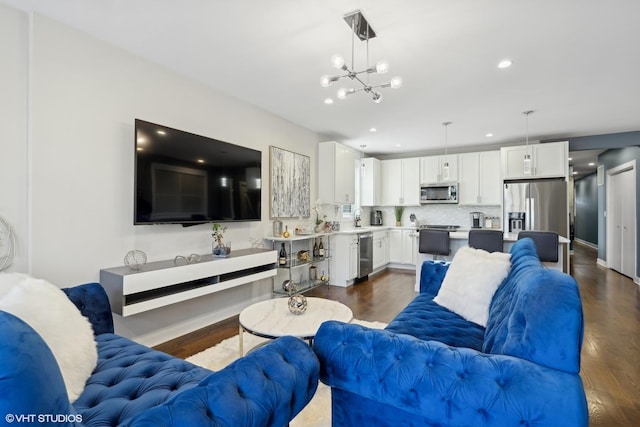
<point>162,283</point>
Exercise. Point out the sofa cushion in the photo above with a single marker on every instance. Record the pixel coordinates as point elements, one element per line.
<point>93,302</point>
<point>536,314</point>
<point>50,313</point>
<point>472,279</point>
<point>428,321</point>
<point>130,378</point>
<point>30,381</point>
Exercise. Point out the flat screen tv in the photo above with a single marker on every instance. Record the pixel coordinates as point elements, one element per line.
<point>183,178</point>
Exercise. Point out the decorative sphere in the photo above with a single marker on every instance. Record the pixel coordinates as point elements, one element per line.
<point>297,304</point>
<point>135,259</point>
<point>289,286</point>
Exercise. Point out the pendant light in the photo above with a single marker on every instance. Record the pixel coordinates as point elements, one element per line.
<point>361,29</point>
<point>526,165</point>
<point>445,165</point>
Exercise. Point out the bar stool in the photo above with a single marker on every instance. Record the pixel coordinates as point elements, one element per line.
<point>489,240</point>
<point>436,242</point>
<point>546,244</point>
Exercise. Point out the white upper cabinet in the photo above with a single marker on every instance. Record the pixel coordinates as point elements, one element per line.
<point>547,160</point>
<point>479,182</point>
<point>401,182</point>
<point>432,169</point>
<point>336,176</point>
<point>370,182</point>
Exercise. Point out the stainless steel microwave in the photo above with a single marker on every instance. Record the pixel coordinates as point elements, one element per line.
<point>443,192</point>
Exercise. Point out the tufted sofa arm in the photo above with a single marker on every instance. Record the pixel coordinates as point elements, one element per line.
<point>447,385</point>
<point>268,387</point>
<point>431,276</point>
<point>93,302</point>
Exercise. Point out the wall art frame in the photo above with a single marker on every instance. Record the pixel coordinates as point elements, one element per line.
<point>290,184</point>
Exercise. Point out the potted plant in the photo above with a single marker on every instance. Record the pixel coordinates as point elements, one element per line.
<point>220,248</point>
<point>398,211</point>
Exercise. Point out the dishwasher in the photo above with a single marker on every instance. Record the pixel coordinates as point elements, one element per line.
<point>365,255</point>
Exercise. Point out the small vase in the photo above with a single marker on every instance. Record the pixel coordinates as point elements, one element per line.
<point>221,250</point>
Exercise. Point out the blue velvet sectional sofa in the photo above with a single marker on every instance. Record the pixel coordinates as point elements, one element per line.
<point>134,385</point>
<point>431,367</point>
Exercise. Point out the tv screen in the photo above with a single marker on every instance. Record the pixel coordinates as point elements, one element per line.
<point>183,178</point>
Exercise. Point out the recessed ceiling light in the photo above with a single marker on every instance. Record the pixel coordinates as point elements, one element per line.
<point>141,140</point>
<point>489,135</point>
<point>140,149</point>
<point>505,63</point>
<point>328,101</point>
<point>575,173</point>
<point>373,130</point>
<point>570,158</point>
<point>200,160</point>
<point>398,145</point>
<point>161,132</point>
<point>591,164</point>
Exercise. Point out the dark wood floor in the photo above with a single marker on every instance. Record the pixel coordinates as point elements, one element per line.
<point>610,353</point>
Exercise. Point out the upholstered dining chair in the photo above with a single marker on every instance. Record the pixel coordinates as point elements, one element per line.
<point>489,240</point>
<point>546,244</point>
<point>435,242</point>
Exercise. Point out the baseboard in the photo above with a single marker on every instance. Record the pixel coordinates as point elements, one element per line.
<point>401,266</point>
<point>602,263</point>
<point>585,243</point>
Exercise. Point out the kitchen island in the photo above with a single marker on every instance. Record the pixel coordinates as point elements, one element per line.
<point>460,238</point>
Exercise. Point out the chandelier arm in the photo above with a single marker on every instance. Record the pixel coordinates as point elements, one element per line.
<point>383,85</point>
<point>366,85</point>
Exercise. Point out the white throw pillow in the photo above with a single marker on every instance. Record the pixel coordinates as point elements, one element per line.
<point>57,320</point>
<point>471,280</point>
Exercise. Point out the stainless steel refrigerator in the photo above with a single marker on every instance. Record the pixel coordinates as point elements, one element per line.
<point>537,204</point>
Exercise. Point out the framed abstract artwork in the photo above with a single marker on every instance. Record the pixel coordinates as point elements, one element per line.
<point>290,184</point>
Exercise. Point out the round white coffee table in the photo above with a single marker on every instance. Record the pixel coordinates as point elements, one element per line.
<point>272,318</point>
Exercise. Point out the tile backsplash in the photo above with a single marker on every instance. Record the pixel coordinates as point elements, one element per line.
<point>426,214</point>
<point>440,214</point>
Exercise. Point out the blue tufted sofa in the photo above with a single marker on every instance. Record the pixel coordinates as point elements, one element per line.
<point>431,367</point>
<point>134,385</point>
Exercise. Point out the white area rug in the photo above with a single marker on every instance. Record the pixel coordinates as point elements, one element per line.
<point>316,414</point>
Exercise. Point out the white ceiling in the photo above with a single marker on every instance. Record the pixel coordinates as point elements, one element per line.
<point>576,63</point>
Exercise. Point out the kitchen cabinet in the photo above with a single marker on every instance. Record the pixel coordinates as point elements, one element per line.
<point>403,247</point>
<point>432,169</point>
<point>336,181</point>
<point>354,259</point>
<point>370,182</point>
<point>380,249</point>
<point>401,182</point>
<point>548,160</point>
<point>480,182</point>
<point>344,259</point>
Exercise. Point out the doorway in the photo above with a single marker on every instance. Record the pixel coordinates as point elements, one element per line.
<point>621,219</point>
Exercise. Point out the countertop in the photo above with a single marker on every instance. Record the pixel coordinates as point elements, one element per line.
<point>460,234</point>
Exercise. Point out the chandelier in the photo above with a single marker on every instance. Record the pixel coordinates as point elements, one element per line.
<point>361,28</point>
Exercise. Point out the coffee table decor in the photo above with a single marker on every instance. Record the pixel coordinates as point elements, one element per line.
<point>297,304</point>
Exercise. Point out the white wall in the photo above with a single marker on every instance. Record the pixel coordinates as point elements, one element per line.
<point>14,34</point>
<point>85,97</point>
